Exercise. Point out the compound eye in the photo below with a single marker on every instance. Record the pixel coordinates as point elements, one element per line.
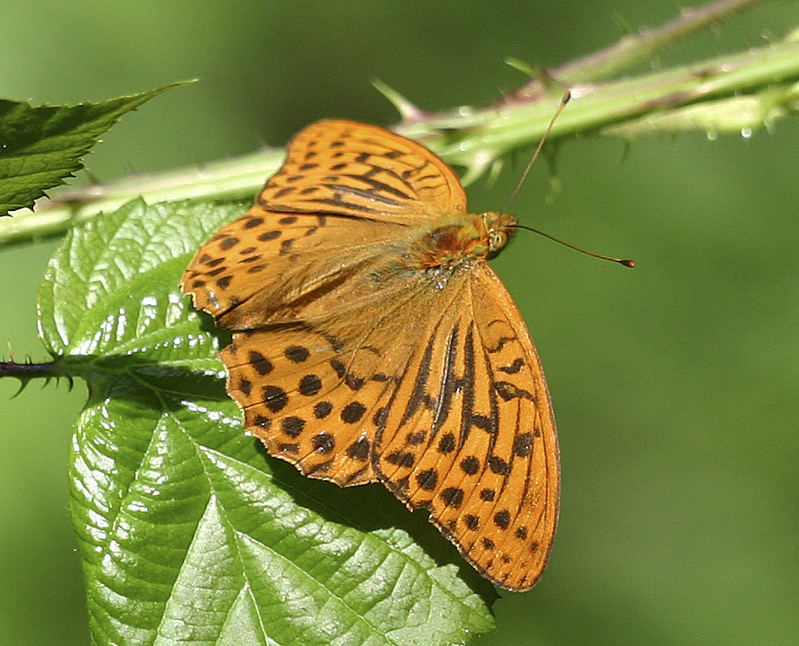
<point>496,240</point>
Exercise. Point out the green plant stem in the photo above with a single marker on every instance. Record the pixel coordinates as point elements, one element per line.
<point>595,107</point>
<point>635,48</point>
<point>223,180</point>
<point>732,93</point>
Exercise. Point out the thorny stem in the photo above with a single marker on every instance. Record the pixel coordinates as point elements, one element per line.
<point>767,77</point>
<point>632,48</point>
<point>24,371</point>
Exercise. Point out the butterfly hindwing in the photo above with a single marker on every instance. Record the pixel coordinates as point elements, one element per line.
<point>315,394</point>
<point>243,258</point>
<point>311,403</point>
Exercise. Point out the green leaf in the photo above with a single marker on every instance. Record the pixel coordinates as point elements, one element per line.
<point>188,530</point>
<point>40,146</point>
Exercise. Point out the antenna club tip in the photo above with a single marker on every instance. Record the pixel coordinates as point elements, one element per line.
<point>628,263</point>
<point>566,97</point>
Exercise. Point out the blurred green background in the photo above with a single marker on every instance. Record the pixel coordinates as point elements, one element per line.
<point>675,385</point>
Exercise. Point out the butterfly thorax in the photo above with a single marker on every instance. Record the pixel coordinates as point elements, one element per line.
<point>460,240</point>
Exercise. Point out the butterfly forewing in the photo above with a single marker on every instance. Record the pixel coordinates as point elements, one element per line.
<point>261,268</point>
<point>372,342</point>
<point>469,435</point>
<point>526,439</point>
<point>341,167</point>
<point>345,191</point>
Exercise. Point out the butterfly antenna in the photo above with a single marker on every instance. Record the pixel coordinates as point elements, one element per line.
<point>515,192</point>
<point>621,261</point>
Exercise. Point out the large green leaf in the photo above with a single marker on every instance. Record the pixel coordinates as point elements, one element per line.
<point>40,146</point>
<point>188,530</point>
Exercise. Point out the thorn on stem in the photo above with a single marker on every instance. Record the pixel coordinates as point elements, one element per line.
<point>26,372</point>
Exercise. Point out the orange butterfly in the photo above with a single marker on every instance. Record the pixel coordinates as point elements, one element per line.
<point>373,343</point>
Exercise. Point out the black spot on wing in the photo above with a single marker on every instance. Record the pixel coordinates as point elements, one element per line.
<point>452,496</point>
<point>310,385</point>
<point>498,465</point>
<point>296,353</point>
<point>427,479</point>
<point>275,398</point>
<point>417,437</point>
<point>470,465</point>
<point>261,364</point>
<point>447,443</point>
<point>523,445</point>
<point>322,409</point>
<point>352,412</point>
<point>502,519</point>
<point>513,368</point>
<point>359,450</point>
<point>508,391</point>
<point>292,426</point>
<point>400,458</point>
<point>323,442</point>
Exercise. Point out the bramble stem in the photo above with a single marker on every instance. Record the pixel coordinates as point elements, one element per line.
<point>634,48</point>
<point>26,370</point>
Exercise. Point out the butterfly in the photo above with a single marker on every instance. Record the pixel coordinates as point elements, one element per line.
<point>373,343</point>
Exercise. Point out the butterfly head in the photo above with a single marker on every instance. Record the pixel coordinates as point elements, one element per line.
<point>498,227</point>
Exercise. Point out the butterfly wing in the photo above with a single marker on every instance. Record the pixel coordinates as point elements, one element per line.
<point>355,369</point>
<point>362,171</point>
<point>306,277</point>
<point>272,268</point>
<point>315,394</point>
<point>347,198</point>
<point>470,434</point>
<point>310,402</point>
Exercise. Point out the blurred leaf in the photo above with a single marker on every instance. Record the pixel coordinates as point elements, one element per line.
<point>188,531</point>
<point>40,146</point>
